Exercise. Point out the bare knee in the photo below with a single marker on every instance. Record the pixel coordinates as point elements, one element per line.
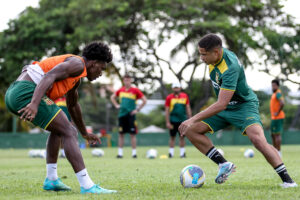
<point>70,131</point>
<point>257,138</point>
<point>197,128</point>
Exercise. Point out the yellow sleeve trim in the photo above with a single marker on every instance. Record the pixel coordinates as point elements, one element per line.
<point>52,118</point>
<point>227,89</point>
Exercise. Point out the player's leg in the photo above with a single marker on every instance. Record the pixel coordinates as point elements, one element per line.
<point>181,141</point>
<point>52,149</point>
<point>276,139</point>
<point>172,139</point>
<point>182,148</point>
<point>133,144</point>
<point>63,128</point>
<point>132,129</point>
<point>122,126</point>
<point>276,129</point>
<point>257,137</point>
<point>120,145</point>
<point>171,145</point>
<point>196,134</point>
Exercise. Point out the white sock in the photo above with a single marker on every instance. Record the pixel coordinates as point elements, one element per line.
<point>120,152</point>
<point>182,151</point>
<point>171,151</point>
<point>62,152</point>
<point>84,179</point>
<point>52,171</point>
<point>133,152</point>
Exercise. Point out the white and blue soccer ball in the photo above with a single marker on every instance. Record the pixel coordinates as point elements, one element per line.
<point>33,153</point>
<point>42,153</point>
<point>151,154</point>
<point>97,152</point>
<point>249,153</point>
<point>192,176</point>
<point>37,153</point>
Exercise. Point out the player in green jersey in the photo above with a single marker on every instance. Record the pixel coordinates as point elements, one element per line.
<point>236,105</point>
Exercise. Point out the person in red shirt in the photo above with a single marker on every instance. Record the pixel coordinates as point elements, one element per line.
<point>31,97</point>
<point>178,109</point>
<point>128,96</point>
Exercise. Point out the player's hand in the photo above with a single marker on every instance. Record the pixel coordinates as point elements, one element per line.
<point>184,126</point>
<point>169,126</point>
<point>92,138</point>
<point>28,112</point>
<point>117,106</point>
<point>134,112</point>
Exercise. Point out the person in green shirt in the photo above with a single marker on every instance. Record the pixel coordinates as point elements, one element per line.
<point>128,96</point>
<point>236,105</point>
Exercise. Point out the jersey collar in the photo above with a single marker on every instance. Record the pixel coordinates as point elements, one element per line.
<point>221,59</point>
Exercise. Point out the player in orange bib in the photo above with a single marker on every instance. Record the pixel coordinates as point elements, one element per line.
<point>31,97</point>
<point>277,115</point>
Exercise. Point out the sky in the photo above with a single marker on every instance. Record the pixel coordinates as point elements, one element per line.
<point>10,10</point>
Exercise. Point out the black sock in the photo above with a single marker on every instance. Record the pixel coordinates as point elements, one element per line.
<point>282,172</point>
<point>215,156</point>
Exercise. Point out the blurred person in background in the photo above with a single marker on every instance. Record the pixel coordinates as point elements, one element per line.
<point>277,115</point>
<point>128,96</point>
<point>178,109</point>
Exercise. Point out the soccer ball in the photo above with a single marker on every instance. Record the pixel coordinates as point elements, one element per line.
<point>249,153</point>
<point>151,153</point>
<point>42,153</point>
<point>33,153</point>
<point>192,176</point>
<point>98,152</point>
<point>221,151</point>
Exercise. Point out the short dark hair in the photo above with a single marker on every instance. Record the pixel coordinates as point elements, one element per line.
<point>126,76</point>
<point>97,51</point>
<point>276,81</point>
<point>210,41</point>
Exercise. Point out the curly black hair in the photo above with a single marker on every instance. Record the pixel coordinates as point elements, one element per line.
<point>210,41</point>
<point>97,51</point>
<point>276,82</point>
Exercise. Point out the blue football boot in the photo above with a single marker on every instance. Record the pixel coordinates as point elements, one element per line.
<point>96,189</point>
<point>225,169</point>
<point>56,185</point>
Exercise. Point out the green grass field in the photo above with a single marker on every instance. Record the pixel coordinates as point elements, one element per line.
<point>21,177</point>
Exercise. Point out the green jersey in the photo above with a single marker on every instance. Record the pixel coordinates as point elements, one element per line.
<point>228,74</point>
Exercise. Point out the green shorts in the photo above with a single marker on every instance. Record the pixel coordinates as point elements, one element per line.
<point>241,116</point>
<point>276,126</point>
<point>65,109</point>
<point>19,94</point>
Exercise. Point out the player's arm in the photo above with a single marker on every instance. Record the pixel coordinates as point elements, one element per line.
<point>167,116</point>
<point>281,105</point>
<point>188,110</point>
<point>114,101</point>
<point>223,100</point>
<point>144,101</point>
<point>76,114</point>
<point>70,68</point>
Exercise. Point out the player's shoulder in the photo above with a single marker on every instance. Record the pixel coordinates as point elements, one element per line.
<point>170,96</point>
<point>183,94</point>
<point>231,59</point>
<point>135,90</point>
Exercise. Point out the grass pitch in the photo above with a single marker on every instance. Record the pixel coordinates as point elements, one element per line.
<point>22,177</point>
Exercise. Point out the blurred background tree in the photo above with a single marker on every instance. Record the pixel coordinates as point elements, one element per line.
<point>153,40</point>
